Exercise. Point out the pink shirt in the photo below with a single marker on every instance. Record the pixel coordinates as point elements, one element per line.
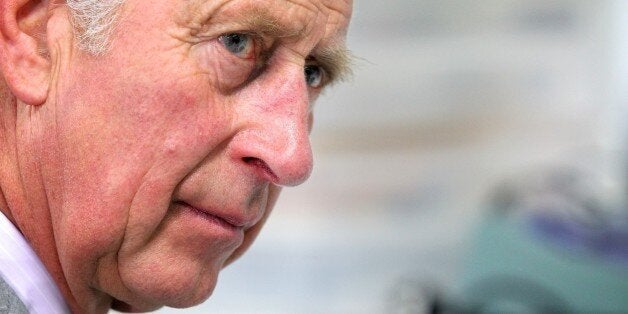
<point>24,272</point>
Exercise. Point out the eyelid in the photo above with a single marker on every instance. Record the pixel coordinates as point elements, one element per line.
<point>258,38</point>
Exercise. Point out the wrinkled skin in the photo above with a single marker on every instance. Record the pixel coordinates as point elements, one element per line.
<point>128,147</point>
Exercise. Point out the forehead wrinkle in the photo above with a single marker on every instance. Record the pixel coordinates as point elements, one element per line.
<point>342,7</point>
<point>197,13</point>
<point>260,18</point>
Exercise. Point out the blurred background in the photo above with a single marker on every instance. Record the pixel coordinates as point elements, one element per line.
<point>477,156</point>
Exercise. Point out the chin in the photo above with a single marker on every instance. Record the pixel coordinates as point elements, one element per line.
<point>127,308</point>
<point>186,300</point>
<point>154,289</point>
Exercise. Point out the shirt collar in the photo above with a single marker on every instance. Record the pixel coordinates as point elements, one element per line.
<point>22,269</point>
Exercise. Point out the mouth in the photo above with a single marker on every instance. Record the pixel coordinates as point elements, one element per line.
<point>229,223</point>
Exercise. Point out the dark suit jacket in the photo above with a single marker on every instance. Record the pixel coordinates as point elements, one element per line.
<point>9,302</point>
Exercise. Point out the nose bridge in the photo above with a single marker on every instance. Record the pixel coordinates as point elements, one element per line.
<point>279,117</point>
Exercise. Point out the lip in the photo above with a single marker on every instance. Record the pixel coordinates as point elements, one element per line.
<point>227,222</point>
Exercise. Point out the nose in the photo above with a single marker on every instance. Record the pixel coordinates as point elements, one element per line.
<point>274,117</point>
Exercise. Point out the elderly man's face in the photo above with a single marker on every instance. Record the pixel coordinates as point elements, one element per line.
<point>168,150</point>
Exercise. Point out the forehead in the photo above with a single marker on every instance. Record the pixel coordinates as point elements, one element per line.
<point>327,18</point>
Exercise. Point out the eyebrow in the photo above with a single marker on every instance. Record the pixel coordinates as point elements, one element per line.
<point>335,59</point>
<point>262,20</point>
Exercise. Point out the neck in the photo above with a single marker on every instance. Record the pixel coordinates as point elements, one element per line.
<point>7,142</point>
<point>23,197</point>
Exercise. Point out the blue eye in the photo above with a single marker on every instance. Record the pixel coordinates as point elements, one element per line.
<point>241,45</point>
<point>313,75</point>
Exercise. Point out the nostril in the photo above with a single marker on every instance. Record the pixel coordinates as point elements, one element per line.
<point>263,166</point>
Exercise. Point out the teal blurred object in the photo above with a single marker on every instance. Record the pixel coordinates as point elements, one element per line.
<point>550,251</point>
<point>513,270</point>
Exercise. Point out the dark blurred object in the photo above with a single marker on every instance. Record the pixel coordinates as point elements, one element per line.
<point>409,296</point>
<point>551,243</point>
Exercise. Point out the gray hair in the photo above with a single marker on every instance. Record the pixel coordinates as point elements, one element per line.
<point>94,22</point>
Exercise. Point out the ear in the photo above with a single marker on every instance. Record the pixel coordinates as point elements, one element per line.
<point>22,35</point>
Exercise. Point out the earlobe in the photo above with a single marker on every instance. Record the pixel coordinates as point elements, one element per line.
<point>24,68</point>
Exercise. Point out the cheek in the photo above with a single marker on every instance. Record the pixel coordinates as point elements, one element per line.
<point>121,149</point>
